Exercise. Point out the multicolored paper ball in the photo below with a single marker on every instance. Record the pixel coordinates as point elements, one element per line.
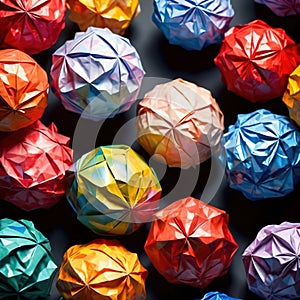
<point>114,191</point>
<point>98,74</point>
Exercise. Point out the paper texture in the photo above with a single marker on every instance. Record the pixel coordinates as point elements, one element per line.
<point>114,191</point>
<point>113,14</point>
<point>190,243</point>
<point>255,60</point>
<point>31,25</point>
<point>193,24</point>
<point>179,122</point>
<point>262,155</point>
<point>98,74</point>
<point>33,166</point>
<point>271,262</point>
<point>101,270</point>
<point>26,265</point>
<point>282,8</point>
<point>23,90</point>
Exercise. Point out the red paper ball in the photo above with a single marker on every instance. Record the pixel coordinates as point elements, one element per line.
<point>255,60</point>
<point>33,165</point>
<point>190,243</point>
<point>31,25</point>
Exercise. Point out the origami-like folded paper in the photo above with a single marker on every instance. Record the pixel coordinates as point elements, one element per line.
<point>217,296</point>
<point>256,60</point>
<point>190,243</point>
<point>262,155</point>
<point>33,165</point>
<point>193,24</point>
<point>31,25</point>
<point>282,7</point>
<point>114,190</point>
<point>291,97</point>
<point>113,14</point>
<point>23,90</point>
<point>272,262</point>
<point>97,75</point>
<point>180,122</point>
<point>101,270</point>
<point>27,267</point>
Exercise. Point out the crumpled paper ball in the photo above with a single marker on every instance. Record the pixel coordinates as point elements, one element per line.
<point>23,90</point>
<point>217,296</point>
<point>271,262</point>
<point>27,267</point>
<point>33,166</point>
<point>179,123</point>
<point>190,243</point>
<point>31,25</point>
<point>255,60</point>
<point>262,155</point>
<point>291,96</point>
<point>101,270</point>
<point>193,24</point>
<point>113,14</point>
<point>98,74</point>
<point>114,190</point>
<point>282,8</point>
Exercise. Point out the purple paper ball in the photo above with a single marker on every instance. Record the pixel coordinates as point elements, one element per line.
<point>271,262</point>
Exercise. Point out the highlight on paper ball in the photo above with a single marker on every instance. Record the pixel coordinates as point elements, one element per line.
<point>255,61</point>
<point>262,155</point>
<point>114,190</point>
<point>101,270</point>
<point>271,262</point>
<point>98,74</point>
<point>291,96</point>
<point>179,122</point>
<point>193,24</point>
<point>33,166</point>
<point>190,243</point>
<point>31,25</point>
<point>27,267</point>
<point>23,90</point>
<point>113,14</point>
<point>282,8</point>
<point>217,296</point>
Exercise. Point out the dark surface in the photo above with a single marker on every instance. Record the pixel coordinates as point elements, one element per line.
<point>164,62</point>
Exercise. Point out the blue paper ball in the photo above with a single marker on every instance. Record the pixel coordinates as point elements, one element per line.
<point>193,24</point>
<point>217,296</point>
<point>262,155</point>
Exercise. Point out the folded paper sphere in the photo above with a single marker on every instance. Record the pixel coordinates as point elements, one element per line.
<point>291,97</point>
<point>27,267</point>
<point>282,8</point>
<point>101,270</point>
<point>23,90</point>
<point>115,15</point>
<point>179,123</point>
<point>114,191</point>
<point>97,75</point>
<point>31,25</point>
<point>190,243</point>
<point>262,155</point>
<point>255,60</point>
<point>217,296</point>
<point>33,165</point>
<point>193,24</point>
<point>271,262</point>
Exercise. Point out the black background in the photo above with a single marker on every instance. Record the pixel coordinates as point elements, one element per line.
<point>164,62</point>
